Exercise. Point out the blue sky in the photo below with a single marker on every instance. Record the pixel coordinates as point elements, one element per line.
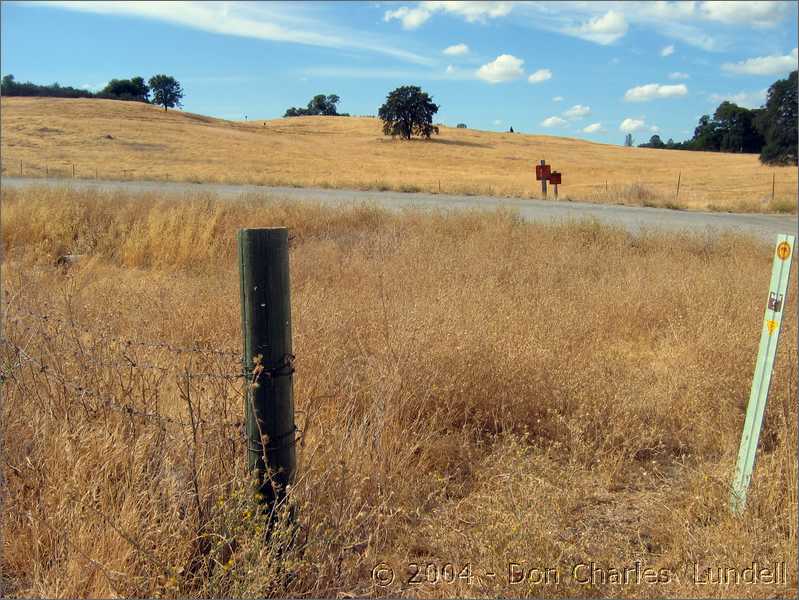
<point>593,70</point>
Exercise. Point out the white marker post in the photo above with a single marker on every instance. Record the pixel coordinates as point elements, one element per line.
<point>763,368</point>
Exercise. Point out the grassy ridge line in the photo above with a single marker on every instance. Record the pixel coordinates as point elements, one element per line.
<point>471,388</point>
<point>132,140</point>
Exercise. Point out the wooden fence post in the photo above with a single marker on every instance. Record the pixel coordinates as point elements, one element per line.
<point>543,181</point>
<point>20,168</point>
<point>678,186</point>
<point>772,187</point>
<point>73,170</point>
<point>268,361</point>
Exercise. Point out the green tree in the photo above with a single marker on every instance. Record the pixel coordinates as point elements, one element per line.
<point>777,122</point>
<point>8,85</point>
<point>654,142</point>
<point>735,129</point>
<point>11,87</point>
<point>408,111</point>
<point>628,140</point>
<point>318,105</point>
<point>706,135</point>
<point>166,91</point>
<point>127,89</point>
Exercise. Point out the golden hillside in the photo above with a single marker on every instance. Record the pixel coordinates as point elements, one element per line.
<point>116,140</point>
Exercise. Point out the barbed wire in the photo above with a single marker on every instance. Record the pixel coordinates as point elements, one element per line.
<point>195,348</point>
<point>107,400</point>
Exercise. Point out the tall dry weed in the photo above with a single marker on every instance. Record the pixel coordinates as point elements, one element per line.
<point>471,390</point>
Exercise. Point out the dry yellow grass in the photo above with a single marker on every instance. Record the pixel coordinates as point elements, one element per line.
<point>463,401</point>
<point>50,134</point>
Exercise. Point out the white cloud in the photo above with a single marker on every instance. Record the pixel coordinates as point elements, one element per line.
<point>411,18</point>
<point>578,111</point>
<point>450,69</point>
<point>746,99</point>
<point>631,125</point>
<point>593,128</point>
<point>678,75</point>
<point>557,99</point>
<point>497,121</point>
<point>757,14</point>
<point>554,122</point>
<point>262,20</point>
<point>471,11</point>
<point>668,50</point>
<point>540,75</point>
<point>456,50</point>
<point>654,129</point>
<point>603,30</point>
<point>650,91</point>
<point>764,65</point>
<point>503,68</point>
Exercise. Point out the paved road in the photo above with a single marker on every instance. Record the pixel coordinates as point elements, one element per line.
<point>632,218</point>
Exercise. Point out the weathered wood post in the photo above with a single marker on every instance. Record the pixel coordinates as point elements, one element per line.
<point>679,174</point>
<point>20,168</point>
<point>543,180</point>
<point>73,170</point>
<point>268,361</point>
<point>772,187</point>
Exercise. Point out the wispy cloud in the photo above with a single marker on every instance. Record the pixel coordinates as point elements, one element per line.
<point>668,50</point>
<point>650,91</point>
<point>416,16</point>
<point>678,75</point>
<point>449,73</point>
<point>603,30</point>
<point>764,65</point>
<point>245,19</point>
<point>540,76</point>
<point>578,111</point>
<point>604,22</point>
<point>746,99</point>
<point>756,14</point>
<point>630,125</point>
<point>554,122</point>
<point>411,18</point>
<point>456,50</point>
<point>593,128</point>
<point>557,99</point>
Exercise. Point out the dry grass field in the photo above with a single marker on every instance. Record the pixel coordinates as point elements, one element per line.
<point>126,140</point>
<point>471,390</point>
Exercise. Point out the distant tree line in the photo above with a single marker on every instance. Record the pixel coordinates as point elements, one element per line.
<point>320,105</point>
<point>770,130</point>
<point>166,90</point>
<point>10,87</point>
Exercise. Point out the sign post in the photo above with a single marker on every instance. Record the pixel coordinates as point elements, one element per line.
<point>542,173</point>
<point>555,179</point>
<point>764,366</point>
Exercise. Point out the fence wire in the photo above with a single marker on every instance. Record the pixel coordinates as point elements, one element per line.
<point>38,327</point>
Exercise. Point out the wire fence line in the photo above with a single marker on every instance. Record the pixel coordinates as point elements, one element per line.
<point>196,347</point>
<point>37,341</point>
<point>75,170</point>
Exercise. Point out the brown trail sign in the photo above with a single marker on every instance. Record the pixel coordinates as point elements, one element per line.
<point>554,179</point>
<point>542,173</point>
